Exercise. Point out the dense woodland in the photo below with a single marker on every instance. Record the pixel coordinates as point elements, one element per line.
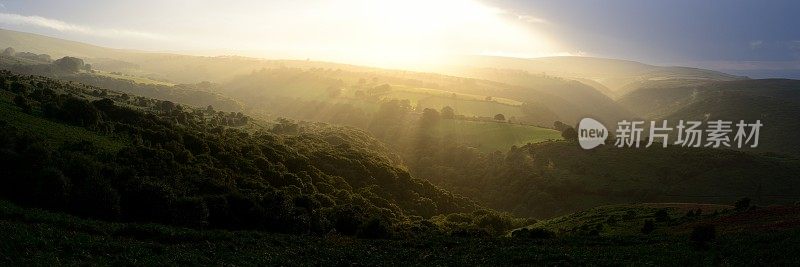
<point>187,166</point>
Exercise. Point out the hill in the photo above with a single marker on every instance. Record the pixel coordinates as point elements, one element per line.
<point>548,99</point>
<point>202,168</point>
<point>555,178</point>
<point>613,74</point>
<point>776,102</point>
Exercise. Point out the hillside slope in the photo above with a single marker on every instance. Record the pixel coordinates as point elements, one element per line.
<point>616,75</point>
<point>201,168</point>
<point>776,102</point>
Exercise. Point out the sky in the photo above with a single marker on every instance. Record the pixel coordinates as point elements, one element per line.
<point>755,38</point>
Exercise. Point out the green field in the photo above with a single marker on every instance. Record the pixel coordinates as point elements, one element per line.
<point>624,219</point>
<point>463,104</point>
<point>428,92</point>
<point>492,136</point>
<point>136,79</point>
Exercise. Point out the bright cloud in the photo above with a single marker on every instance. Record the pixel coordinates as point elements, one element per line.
<point>37,21</point>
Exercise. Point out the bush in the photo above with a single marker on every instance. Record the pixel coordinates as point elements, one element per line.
<point>191,212</point>
<point>218,211</point>
<point>22,102</point>
<point>569,134</point>
<point>97,200</point>
<point>533,233</point>
<point>347,219</point>
<point>648,227</point>
<point>375,228</point>
<point>742,204</point>
<point>662,215</point>
<point>69,64</point>
<point>51,189</point>
<point>148,201</point>
<point>702,234</point>
<point>494,223</point>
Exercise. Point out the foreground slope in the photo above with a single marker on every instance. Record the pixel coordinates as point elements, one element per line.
<point>35,237</point>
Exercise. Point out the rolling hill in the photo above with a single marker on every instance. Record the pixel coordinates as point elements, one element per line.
<point>614,75</point>
<point>548,98</point>
<point>776,102</point>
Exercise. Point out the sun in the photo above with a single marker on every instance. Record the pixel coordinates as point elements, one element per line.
<point>403,34</point>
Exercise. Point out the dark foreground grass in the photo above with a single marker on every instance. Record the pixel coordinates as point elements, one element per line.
<point>34,237</point>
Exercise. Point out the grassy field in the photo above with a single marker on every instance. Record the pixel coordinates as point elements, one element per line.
<point>36,237</point>
<point>428,92</point>
<point>626,219</point>
<point>492,136</point>
<point>54,132</point>
<point>136,79</point>
<point>463,104</point>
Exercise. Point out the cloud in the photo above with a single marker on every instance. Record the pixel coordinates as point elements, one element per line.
<point>756,44</point>
<point>532,19</point>
<point>42,22</point>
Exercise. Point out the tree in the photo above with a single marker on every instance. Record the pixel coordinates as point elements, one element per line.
<point>533,233</point>
<point>702,234</point>
<point>499,117</point>
<point>69,64</point>
<point>9,52</point>
<point>648,227</point>
<point>430,117</point>
<point>22,102</point>
<point>18,88</point>
<point>742,204</point>
<point>333,91</point>
<point>375,228</point>
<point>662,215</point>
<point>569,134</point>
<point>559,126</point>
<point>448,113</point>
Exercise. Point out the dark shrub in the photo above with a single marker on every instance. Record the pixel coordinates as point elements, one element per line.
<point>69,64</point>
<point>347,219</point>
<point>470,232</point>
<point>703,234</point>
<point>22,102</point>
<point>375,228</point>
<point>690,214</point>
<point>218,211</point>
<point>190,212</point>
<point>96,200</point>
<point>493,222</point>
<point>662,215</point>
<point>648,227</point>
<point>742,204</point>
<point>51,189</point>
<point>148,201</point>
<point>533,233</point>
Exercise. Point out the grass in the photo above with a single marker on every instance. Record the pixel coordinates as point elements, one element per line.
<point>453,95</point>
<point>136,79</point>
<point>53,132</point>
<point>623,219</point>
<point>37,237</point>
<point>492,136</point>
